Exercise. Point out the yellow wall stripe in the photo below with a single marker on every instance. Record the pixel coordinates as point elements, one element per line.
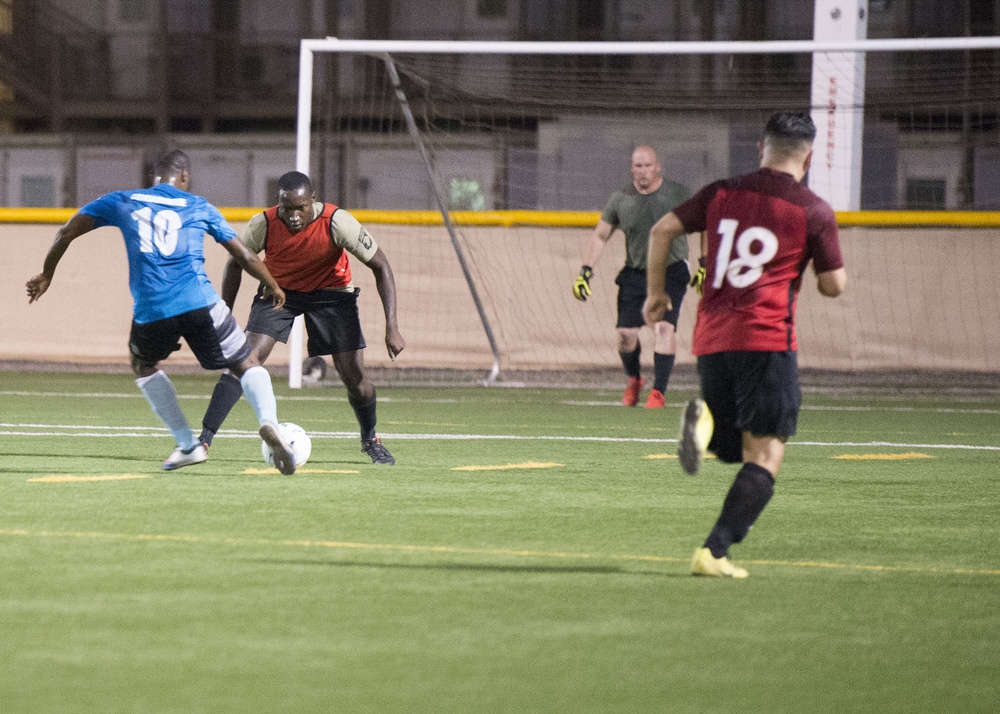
<point>555,219</point>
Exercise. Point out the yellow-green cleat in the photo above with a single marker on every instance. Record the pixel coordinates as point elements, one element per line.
<point>696,431</point>
<point>704,563</point>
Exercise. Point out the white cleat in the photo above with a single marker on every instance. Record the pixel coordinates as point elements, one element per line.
<point>197,454</point>
<point>281,450</point>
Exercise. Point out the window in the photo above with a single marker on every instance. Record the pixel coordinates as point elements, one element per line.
<point>925,194</point>
<point>133,10</point>
<point>491,8</point>
<point>465,195</point>
<point>38,191</point>
<point>6,17</point>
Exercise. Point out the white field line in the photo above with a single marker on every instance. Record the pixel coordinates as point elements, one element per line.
<point>564,402</point>
<point>205,397</point>
<point>99,431</point>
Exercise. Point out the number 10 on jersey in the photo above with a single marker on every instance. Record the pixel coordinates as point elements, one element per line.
<point>159,229</point>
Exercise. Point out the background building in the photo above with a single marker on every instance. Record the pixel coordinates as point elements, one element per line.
<point>89,89</point>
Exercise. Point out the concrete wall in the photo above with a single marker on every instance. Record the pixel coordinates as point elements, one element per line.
<point>917,299</point>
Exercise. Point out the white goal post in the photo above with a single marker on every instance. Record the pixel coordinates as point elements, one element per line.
<point>822,108</point>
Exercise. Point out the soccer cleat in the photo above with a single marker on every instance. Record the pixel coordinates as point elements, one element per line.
<point>633,386</point>
<point>656,400</point>
<point>704,563</point>
<point>696,431</point>
<point>281,450</point>
<point>378,453</point>
<point>197,454</point>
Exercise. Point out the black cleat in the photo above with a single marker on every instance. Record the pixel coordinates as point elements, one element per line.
<point>378,453</point>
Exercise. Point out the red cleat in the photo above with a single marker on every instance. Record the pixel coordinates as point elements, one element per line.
<point>632,389</point>
<point>656,400</point>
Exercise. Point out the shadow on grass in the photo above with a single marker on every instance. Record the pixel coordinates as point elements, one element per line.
<point>476,567</point>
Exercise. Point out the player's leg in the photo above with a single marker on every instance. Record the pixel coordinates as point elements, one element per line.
<point>768,398</point>
<point>665,333</point>
<point>265,327</point>
<point>148,344</point>
<point>218,342</point>
<point>334,328</point>
<point>631,295</point>
<point>228,390</point>
<point>362,397</point>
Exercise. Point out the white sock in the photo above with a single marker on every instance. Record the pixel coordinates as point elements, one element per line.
<point>258,390</point>
<point>162,397</point>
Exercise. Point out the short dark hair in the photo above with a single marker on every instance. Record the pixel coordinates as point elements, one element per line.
<point>293,181</point>
<point>791,125</point>
<point>171,163</point>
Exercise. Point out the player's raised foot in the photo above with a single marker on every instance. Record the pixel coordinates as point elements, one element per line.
<point>281,450</point>
<point>656,400</point>
<point>704,563</point>
<point>696,431</point>
<point>377,451</point>
<point>633,386</point>
<point>197,454</point>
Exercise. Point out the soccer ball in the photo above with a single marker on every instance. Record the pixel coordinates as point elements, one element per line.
<point>297,438</point>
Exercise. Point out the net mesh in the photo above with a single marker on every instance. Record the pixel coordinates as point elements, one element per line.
<point>555,133</point>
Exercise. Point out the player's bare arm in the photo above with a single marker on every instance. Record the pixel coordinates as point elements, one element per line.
<point>664,232</point>
<point>249,261</point>
<point>831,283</point>
<point>76,226</point>
<point>232,278</point>
<point>591,254</point>
<point>385,283</point>
<point>598,240</point>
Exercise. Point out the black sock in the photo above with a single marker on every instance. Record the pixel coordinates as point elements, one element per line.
<point>365,412</point>
<point>663,365</point>
<point>745,501</point>
<point>228,391</point>
<point>630,360</point>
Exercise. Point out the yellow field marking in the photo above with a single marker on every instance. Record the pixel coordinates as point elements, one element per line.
<point>884,457</point>
<point>452,550</point>
<point>262,472</point>
<point>69,478</point>
<point>509,467</point>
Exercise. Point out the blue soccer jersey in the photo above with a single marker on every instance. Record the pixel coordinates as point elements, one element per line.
<point>164,229</point>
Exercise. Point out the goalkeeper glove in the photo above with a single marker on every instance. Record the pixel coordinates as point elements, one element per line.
<point>581,286</point>
<point>698,279</point>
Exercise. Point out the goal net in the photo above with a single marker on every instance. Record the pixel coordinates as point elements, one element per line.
<point>482,172</point>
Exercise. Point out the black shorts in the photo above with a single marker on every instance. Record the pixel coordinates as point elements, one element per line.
<point>332,321</point>
<point>631,284</point>
<point>211,333</point>
<point>756,392</point>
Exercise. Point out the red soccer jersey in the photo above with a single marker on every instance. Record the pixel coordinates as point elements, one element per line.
<point>307,260</point>
<point>763,229</point>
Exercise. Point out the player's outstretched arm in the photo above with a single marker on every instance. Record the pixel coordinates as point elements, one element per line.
<point>249,261</point>
<point>79,224</point>
<point>385,283</point>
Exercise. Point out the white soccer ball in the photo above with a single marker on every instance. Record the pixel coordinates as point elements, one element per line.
<point>296,437</point>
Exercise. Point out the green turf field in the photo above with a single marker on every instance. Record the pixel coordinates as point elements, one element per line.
<point>529,552</point>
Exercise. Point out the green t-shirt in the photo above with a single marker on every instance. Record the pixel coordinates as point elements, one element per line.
<point>635,213</point>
